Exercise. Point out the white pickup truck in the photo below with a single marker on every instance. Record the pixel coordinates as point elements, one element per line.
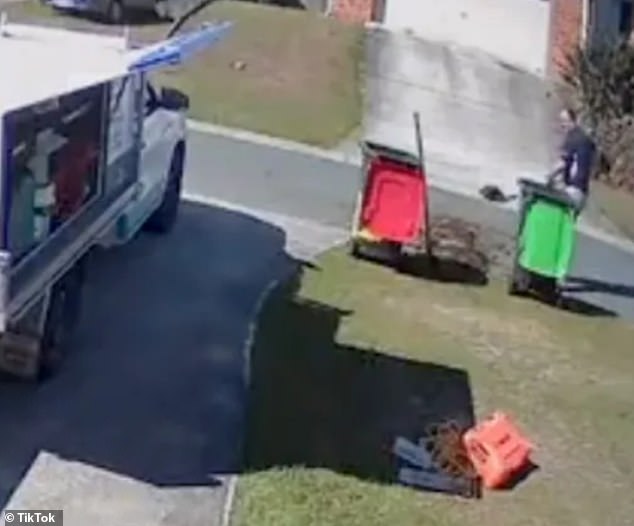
<point>92,152</point>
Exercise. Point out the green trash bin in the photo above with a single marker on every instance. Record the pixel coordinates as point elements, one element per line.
<point>545,242</point>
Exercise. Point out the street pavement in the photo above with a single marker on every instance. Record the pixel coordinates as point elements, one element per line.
<point>324,191</point>
<point>143,426</point>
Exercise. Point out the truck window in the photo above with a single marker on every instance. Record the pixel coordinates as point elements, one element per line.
<point>53,166</point>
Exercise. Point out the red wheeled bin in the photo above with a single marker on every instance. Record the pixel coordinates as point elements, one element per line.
<point>392,209</point>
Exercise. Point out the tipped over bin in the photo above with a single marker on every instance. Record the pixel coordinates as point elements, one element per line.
<point>392,208</point>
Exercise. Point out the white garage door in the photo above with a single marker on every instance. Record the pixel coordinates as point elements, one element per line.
<point>515,31</point>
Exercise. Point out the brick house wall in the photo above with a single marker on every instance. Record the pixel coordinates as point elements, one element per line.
<point>354,11</point>
<point>566,26</point>
<point>605,20</point>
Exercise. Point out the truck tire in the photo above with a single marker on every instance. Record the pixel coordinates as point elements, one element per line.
<point>61,319</point>
<point>164,217</point>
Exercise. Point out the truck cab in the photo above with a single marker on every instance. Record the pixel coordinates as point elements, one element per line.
<point>162,161</point>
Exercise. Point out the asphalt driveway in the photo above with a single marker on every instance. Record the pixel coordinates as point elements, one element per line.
<point>145,421</point>
<point>146,417</point>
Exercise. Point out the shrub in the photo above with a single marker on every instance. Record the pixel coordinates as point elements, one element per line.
<point>602,82</point>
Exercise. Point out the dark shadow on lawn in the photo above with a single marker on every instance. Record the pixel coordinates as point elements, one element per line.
<point>584,308</point>
<point>458,267</point>
<point>571,304</point>
<point>444,270</point>
<point>318,403</point>
<point>542,290</point>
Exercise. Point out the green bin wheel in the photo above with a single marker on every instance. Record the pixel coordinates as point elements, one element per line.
<point>519,282</point>
<point>561,301</point>
<point>548,290</point>
<point>556,297</point>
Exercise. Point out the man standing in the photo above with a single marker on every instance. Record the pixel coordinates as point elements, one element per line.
<point>577,154</point>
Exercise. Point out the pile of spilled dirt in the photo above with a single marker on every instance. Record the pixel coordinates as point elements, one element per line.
<point>471,244</point>
<point>463,252</point>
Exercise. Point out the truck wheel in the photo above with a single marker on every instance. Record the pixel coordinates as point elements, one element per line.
<point>61,319</point>
<point>164,217</point>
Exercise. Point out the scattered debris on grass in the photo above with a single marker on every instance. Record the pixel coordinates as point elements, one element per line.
<point>355,355</point>
<point>452,459</point>
<point>463,252</point>
<point>441,461</point>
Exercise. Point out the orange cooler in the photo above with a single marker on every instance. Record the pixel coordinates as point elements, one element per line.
<point>497,450</point>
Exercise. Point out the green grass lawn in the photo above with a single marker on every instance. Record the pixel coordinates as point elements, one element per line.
<point>301,74</point>
<point>349,355</point>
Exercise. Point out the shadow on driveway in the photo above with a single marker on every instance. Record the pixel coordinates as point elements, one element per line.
<point>153,389</point>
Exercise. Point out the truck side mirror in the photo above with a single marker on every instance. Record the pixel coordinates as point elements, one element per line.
<point>173,99</point>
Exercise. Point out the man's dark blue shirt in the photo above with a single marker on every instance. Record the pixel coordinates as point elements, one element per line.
<point>578,152</point>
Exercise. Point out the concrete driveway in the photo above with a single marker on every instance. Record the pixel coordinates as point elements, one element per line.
<point>483,121</point>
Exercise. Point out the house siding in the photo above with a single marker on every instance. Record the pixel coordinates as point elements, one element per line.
<point>565,24</point>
